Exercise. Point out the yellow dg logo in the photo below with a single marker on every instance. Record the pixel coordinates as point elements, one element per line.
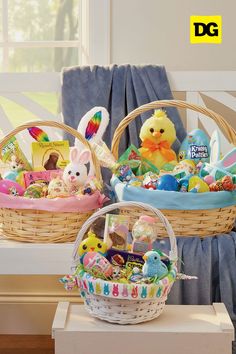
<point>205,29</point>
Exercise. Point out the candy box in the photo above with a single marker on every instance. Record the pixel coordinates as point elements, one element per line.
<point>124,258</point>
<point>12,153</point>
<point>50,155</point>
<point>98,264</point>
<point>116,231</point>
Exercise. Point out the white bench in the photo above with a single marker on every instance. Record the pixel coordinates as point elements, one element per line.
<point>180,329</point>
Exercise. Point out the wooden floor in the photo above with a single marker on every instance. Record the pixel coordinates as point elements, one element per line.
<point>18,344</point>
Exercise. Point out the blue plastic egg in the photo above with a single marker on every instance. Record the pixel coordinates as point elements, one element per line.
<point>167,183</point>
<point>195,147</point>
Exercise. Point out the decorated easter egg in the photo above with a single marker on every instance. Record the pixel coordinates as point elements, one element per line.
<point>216,186</point>
<point>198,185</point>
<point>227,183</point>
<point>167,183</point>
<point>99,265</point>
<point>36,190</point>
<point>11,187</point>
<point>195,146</point>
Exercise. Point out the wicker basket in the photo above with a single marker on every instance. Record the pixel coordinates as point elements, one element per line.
<point>122,303</point>
<point>204,222</point>
<point>39,226</point>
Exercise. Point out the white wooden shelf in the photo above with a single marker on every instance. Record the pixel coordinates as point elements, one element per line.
<point>23,258</point>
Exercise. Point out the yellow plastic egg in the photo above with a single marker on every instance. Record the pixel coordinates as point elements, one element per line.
<point>197,182</point>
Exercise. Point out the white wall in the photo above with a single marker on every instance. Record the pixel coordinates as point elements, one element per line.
<point>157,32</point>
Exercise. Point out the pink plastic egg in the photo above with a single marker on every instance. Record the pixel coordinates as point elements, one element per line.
<point>209,179</point>
<point>97,263</point>
<point>11,188</point>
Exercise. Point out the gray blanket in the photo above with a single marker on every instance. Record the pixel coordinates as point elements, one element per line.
<point>213,260</point>
<point>119,89</point>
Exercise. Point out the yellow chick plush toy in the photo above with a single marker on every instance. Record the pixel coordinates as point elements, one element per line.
<point>92,244</point>
<point>157,135</point>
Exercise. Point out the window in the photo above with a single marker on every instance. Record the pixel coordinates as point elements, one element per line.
<point>38,35</point>
<point>37,39</point>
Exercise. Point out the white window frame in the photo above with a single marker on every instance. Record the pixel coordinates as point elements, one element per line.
<point>95,32</point>
<point>6,44</point>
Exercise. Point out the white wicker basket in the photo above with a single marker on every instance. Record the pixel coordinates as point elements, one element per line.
<point>125,303</point>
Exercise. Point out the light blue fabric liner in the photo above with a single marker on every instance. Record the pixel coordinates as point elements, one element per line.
<point>173,200</point>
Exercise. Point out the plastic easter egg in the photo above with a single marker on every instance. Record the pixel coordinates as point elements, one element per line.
<point>135,182</point>
<point>20,178</point>
<point>11,188</point>
<point>197,183</point>
<point>209,179</point>
<point>95,262</point>
<point>167,183</point>
<point>11,175</point>
<point>168,167</point>
<point>195,147</point>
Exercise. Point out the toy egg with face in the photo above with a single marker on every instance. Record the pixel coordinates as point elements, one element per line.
<point>11,188</point>
<point>195,146</point>
<point>99,265</point>
<point>92,244</point>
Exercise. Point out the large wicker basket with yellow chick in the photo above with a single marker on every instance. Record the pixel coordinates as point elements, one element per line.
<point>47,221</point>
<point>190,214</point>
<point>120,302</point>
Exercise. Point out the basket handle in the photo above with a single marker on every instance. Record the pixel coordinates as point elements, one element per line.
<point>62,126</point>
<point>221,122</point>
<point>173,252</point>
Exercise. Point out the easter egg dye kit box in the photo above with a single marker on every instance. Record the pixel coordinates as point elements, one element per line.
<point>32,177</point>
<point>50,155</point>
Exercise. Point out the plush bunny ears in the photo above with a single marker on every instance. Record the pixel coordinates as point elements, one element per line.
<point>79,157</point>
<point>93,125</point>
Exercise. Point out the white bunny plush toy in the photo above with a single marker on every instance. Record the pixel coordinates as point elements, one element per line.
<point>75,173</point>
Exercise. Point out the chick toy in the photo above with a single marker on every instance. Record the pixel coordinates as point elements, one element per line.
<point>153,266</point>
<point>92,244</point>
<point>157,135</point>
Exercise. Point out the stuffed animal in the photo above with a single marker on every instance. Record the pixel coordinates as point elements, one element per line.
<point>75,173</point>
<point>92,244</point>
<point>157,135</point>
<point>153,266</point>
